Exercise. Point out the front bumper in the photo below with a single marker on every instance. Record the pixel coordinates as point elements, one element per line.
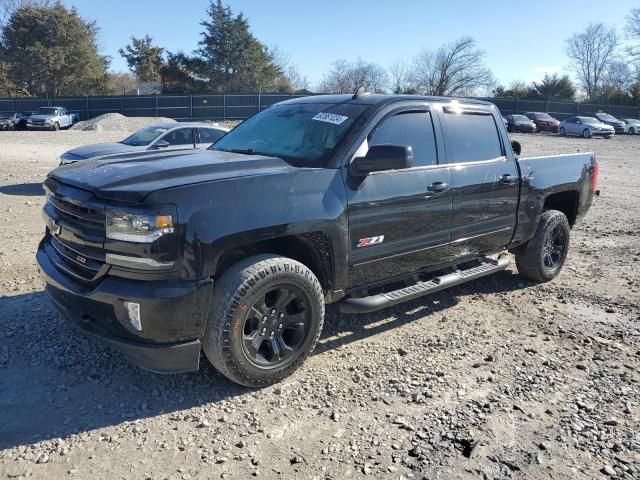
<point>173,316</point>
<point>39,126</point>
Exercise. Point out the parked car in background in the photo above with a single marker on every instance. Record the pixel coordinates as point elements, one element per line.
<point>544,122</point>
<point>169,136</point>
<point>520,123</point>
<point>618,125</point>
<point>585,127</point>
<point>632,125</point>
<point>6,121</point>
<point>14,120</point>
<point>52,118</point>
<point>505,121</point>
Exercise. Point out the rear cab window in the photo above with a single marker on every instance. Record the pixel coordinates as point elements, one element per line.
<point>471,136</point>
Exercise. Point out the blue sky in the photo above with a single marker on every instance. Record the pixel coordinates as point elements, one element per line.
<point>522,39</point>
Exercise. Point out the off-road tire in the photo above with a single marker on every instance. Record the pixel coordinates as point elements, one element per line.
<point>234,293</point>
<point>530,257</point>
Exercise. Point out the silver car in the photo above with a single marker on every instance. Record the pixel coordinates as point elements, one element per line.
<point>632,125</point>
<point>155,137</point>
<point>586,127</point>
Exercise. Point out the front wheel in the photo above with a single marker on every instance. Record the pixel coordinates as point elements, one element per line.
<point>542,257</point>
<point>562,132</point>
<point>586,133</point>
<point>632,131</point>
<point>55,127</point>
<point>267,314</point>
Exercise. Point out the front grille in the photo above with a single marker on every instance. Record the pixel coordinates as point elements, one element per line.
<point>79,212</point>
<point>76,224</point>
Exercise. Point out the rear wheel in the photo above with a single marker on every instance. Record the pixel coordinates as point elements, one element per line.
<point>267,314</point>
<point>586,133</point>
<point>562,132</point>
<point>542,258</point>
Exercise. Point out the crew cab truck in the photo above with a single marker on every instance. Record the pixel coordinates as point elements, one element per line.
<point>51,118</point>
<point>364,200</point>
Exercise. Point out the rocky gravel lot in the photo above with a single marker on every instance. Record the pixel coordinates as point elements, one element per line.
<point>499,378</point>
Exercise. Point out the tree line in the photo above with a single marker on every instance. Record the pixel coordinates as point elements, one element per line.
<point>47,49</point>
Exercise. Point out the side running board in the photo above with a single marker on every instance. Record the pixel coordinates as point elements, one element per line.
<point>384,300</point>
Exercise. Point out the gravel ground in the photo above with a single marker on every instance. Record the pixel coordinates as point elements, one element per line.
<point>498,378</point>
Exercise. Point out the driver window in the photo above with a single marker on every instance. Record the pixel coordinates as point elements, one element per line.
<point>413,129</point>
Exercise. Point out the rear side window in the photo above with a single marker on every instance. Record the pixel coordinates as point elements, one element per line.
<point>471,137</point>
<point>181,136</point>
<point>413,129</point>
<point>210,135</point>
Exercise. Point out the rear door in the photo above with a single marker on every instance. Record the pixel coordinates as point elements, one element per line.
<point>485,179</point>
<point>399,219</point>
<point>180,138</point>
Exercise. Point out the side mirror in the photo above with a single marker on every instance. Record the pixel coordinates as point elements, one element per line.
<point>380,158</point>
<point>161,144</point>
<point>517,148</point>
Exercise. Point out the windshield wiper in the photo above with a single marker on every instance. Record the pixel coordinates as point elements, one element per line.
<point>249,151</point>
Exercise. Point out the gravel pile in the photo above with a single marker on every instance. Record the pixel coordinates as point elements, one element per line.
<point>495,379</point>
<point>114,122</point>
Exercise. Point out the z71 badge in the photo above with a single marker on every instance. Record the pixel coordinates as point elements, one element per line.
<point>367,242</point>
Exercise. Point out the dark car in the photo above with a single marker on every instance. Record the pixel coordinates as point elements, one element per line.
<point>607,119</point>
<point>14,120</point>
<point>520,123</point>
<point>544,122</point>
<point>235,250</point>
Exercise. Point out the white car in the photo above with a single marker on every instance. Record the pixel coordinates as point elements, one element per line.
<point>168,136</point>
<point>632,125</point>
<point>51,118</point>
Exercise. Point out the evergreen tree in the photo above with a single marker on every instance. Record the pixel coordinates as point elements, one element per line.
<point>50,50</point>
<point>144,59</point>
<point>230,58</point>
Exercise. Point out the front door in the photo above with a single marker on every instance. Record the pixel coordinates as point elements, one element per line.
<point>486,180</point>
<point>399,219</point>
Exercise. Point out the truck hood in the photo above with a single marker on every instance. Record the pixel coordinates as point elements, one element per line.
<point>41,117</point>
<point>131,177</point>
<point>96,150</point>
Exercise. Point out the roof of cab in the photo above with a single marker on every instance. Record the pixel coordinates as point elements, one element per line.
<point>378,99</point>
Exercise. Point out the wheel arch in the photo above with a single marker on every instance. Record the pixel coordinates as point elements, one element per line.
<point>566,202</point>
<point>314,250</point>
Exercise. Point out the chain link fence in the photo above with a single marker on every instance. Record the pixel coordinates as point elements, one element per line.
<point>238,106</point>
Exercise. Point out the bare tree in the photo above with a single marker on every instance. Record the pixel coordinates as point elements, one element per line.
<point>290,78</point>
<point>456,68</point>
<point>632,29</point>
<point>347,77</point>
<point>400,73</point>
<point>591,52</point>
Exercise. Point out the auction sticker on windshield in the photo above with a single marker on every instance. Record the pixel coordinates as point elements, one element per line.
<point>330,118</point>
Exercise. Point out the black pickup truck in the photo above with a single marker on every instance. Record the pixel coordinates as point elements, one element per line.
<point>364,200</point>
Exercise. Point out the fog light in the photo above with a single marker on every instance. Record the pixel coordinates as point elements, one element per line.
<point>133,311</point>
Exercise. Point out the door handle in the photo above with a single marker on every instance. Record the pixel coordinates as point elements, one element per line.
<point>508,179</point>
<point>438,187</point>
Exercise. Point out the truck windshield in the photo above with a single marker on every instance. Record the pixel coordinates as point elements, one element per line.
<point>144,137</point>
<point>303,134</point>
<point>48,110</point>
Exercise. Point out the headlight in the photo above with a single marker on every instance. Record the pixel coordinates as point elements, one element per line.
<point>138,227</point>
